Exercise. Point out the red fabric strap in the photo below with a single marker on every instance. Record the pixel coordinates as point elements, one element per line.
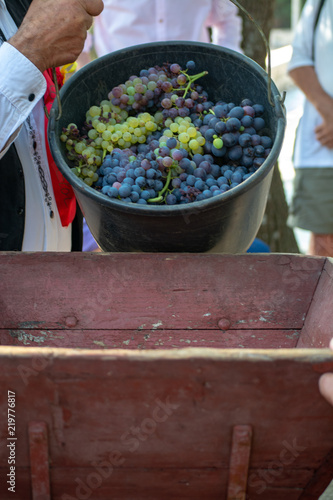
<point>63,192</point>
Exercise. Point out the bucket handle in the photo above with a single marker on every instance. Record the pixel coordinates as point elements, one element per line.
<point>268,53</point>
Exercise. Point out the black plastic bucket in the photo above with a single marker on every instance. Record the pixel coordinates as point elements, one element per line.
<point>226,223</point>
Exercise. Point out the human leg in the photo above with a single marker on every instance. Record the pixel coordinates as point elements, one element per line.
<point>321,244</point>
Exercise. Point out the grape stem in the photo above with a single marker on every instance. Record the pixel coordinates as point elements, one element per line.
<point>160,197</point>
<point>192,79</point>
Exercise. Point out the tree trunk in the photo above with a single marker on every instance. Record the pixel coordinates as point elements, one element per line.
<point>274,230</point>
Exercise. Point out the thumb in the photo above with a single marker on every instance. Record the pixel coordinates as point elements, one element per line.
<point>326,387</point>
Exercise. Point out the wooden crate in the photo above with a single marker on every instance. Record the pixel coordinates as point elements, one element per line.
<point>166,376</point>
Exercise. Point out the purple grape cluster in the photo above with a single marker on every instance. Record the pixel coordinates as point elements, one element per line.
<point>236,134</point>
<point>167,88</point>
<point>152,175</point>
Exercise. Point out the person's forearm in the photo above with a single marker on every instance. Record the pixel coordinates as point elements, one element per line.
<point>306,79</point>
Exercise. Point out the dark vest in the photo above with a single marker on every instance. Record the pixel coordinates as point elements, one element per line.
<point>12,188</point>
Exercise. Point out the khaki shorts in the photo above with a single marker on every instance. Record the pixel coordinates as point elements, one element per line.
<point>311,207</point>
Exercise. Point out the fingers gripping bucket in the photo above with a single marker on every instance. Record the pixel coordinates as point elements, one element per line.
<point>226,223</point>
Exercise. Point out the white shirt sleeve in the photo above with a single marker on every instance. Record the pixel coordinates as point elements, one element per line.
<point>22,85</point>
<point>226,25</point>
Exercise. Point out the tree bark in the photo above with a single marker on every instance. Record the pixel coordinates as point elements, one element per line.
<point>274,230</point>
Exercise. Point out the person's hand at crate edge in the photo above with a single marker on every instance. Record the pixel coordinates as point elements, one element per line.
<point>326,383</point>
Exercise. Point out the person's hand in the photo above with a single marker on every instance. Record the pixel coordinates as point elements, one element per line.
<point>324,131</point>
<point>326,383</point>
<point>53,31</point>
<point>324,134</point>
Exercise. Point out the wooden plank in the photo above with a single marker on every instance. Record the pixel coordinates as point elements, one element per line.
<point>103,481</point>
<point>151,339</point>
<point>156,291</point>
<point>171,408</point>
<point>147,484</point>
<point>318,326</point>
<point>39,460</point>
<point>239,462</point>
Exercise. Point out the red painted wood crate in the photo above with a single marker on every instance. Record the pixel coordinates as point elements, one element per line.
<point>165,376</point>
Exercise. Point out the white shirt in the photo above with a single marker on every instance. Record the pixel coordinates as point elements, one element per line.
<point>308,151</point>
<point>24,123</point>
<point>131,22</point>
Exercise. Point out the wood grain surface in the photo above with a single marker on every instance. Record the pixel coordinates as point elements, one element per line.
<point>140,366</point>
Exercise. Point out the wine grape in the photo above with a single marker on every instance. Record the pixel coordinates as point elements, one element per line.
<point>157,138</point>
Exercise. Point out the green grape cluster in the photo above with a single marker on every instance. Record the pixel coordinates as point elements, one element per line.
<point>187,135</point>
<point>105,134</point>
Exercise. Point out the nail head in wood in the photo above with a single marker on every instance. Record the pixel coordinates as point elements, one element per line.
<point>224,324</point>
